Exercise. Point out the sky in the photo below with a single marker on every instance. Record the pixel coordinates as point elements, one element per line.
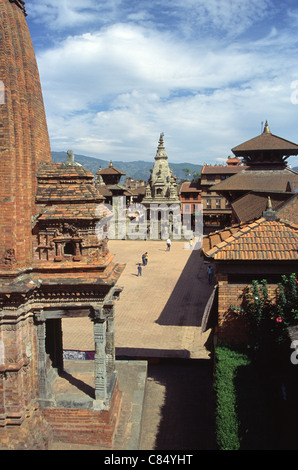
<point>208,74</point>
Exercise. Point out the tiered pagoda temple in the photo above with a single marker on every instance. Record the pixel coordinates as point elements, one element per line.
<point>265,174</point>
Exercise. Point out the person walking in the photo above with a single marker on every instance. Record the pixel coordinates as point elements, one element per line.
<point>139,270</point>
<point>210,273</point>
<point>168,244</point>
<point>146,258</point>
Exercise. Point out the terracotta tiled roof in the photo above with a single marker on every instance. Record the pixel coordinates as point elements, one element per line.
<point>254,180</point>
<point>63,170</point>
<point>252,205</point>
<point>104,190</point>
<point>222,169</point>
<point>71,211</point>
<point>51,193</point>
<point>261,240</point>
<point>137,191</point>
<point>188,187</point>
<point>63,182</point>
<point>289,210</point>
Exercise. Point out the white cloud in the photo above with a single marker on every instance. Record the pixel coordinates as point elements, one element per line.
<point>109,91</point>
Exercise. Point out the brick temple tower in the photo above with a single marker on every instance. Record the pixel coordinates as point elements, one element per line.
<point>24,140</point>
<point>52,266</point>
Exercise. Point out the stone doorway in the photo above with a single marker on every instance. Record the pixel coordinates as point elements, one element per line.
<point>75,383</point>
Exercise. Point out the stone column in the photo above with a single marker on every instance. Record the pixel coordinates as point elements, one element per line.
<point>110,345</point>
<point>42,372</point>
<point>45,392</point>
<point>100,366</point>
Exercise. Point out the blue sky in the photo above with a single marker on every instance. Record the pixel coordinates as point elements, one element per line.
<point>115,74</point>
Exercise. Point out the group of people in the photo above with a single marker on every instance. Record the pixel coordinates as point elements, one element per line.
<point>145,257</point>
<point>144,263</point>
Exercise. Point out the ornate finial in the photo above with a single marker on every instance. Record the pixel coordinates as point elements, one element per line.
<point>111,164</point>
<point>269,203</point>
<point>266,128</point>
<point>161,151</point>
<point>20,4</point>
<point>269,214</point>
<point>70,157</point>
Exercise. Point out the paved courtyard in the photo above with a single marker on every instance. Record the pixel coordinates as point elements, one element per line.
<point>159,313</point>
<point>167,404</point>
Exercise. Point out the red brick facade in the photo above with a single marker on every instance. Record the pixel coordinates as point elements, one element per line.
<point>233,326</point>
<point>24,140</point>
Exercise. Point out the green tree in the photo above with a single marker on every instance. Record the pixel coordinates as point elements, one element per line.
<point>187,173</point>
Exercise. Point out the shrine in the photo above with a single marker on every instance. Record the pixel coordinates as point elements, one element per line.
<point>161,196</point>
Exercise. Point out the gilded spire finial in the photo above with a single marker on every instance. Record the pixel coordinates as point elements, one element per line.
<point>269,203</point>
<point>266,128</point>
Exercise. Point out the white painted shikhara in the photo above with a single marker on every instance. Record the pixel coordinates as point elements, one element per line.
<point>159,313</point>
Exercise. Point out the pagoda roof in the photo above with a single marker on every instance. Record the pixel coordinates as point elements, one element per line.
<point>65,183</point>
<point>252,205</point>
<point>266,142</point>
<point>111,170</point>
<point>256,179</point>
<point>222,169</point>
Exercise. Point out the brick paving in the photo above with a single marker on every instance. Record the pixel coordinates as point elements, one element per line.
<point>167,403</point>
<point>159,313</point>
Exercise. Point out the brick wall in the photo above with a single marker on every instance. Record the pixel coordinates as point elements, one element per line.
<point>85,426</point>
<point>34,433</point>
<point>233,327</point>
<point>18,370</point>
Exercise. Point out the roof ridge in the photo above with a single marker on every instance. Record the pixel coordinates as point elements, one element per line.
<point>233,236</point>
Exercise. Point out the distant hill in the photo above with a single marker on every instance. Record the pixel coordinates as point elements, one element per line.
<point>138,170</point>
<point>295,169</point>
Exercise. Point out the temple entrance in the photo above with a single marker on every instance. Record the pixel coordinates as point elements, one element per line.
<point>75,383</point>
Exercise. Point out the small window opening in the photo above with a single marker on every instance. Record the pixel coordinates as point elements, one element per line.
<point>69,249</point>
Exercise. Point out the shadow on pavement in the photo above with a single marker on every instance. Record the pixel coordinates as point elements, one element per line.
<point>187,417</point>
<point>190,295</point>
<point>147,353</point>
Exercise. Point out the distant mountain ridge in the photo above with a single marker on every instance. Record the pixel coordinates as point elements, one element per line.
<point>138,170</point>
